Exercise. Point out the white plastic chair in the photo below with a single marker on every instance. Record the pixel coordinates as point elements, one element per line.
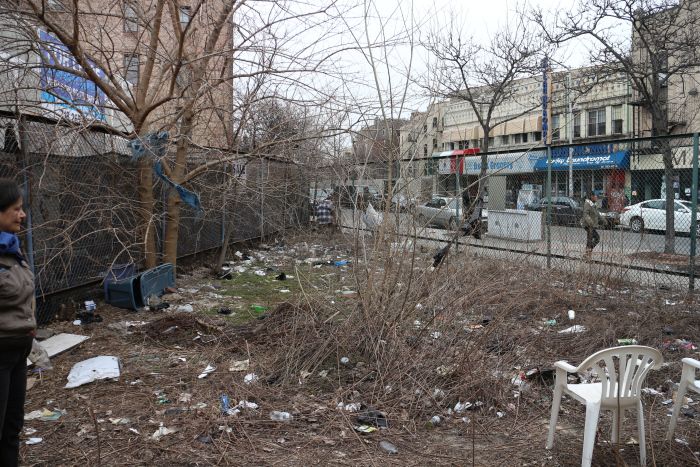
<point>621,372</point>
<point>688,381</point>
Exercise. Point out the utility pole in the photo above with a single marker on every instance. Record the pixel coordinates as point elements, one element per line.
<point>571,134</point>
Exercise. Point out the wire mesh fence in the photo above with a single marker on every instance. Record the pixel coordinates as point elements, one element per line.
<point>623,205</point>
<point>83,204</point>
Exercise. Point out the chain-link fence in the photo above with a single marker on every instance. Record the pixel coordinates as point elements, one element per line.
<point>83,204</point>
<point>636,196</point>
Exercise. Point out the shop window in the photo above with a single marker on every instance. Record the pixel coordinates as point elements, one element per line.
<point>577,125</point>
<point>617,119</point>
<point>596,122</point>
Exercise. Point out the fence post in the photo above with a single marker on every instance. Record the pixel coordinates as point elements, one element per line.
<point>693,217</point>
<point>458,196</point>
<point>548,232</point>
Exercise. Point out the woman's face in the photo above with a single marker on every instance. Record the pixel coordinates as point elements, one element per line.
<point>11,218</point>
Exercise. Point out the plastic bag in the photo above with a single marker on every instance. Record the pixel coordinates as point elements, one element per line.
<point>39,356</point>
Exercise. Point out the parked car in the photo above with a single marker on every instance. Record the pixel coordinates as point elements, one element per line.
<point>651,215</point>
<point>565,210</point>
<point>440,210</point>
<point>403,203</point>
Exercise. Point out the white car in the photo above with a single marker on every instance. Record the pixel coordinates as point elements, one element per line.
<point>440,210</point>
<point>651,215</point>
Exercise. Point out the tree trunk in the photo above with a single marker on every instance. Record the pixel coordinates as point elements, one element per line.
<point>483,181</point>
<point>145,190</point>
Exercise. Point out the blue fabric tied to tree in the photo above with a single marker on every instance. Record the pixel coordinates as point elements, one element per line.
<point>154,145</point>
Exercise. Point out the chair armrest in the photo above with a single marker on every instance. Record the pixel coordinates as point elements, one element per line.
<point>566,366</point>
<point>691,362</point>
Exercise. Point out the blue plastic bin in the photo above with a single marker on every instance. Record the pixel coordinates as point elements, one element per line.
<point>132,292</point>
<point>118,272</point>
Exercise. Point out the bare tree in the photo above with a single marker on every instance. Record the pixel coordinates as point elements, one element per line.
<point>661,53</point>
<point>161,66</point>
<point>485,76</point>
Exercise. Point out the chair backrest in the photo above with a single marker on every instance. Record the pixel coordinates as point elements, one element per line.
<point>622,370</point>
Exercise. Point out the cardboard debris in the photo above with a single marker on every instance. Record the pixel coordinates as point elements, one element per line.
<point>60,343</point>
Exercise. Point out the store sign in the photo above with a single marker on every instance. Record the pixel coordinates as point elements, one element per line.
<point>600,149</point>
<point>64,93</point>
<point>615,160</point>
<point>503,164</point>
<point>682,158</point>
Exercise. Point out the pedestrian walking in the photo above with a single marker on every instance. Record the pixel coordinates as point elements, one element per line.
<point>17,322</point>
<point>590,221</point>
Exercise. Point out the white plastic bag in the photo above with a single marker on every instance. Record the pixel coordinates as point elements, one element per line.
<point>40,357</point>
<point>371,218</point>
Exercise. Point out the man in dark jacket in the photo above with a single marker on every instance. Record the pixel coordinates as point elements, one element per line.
<point>590,221</point>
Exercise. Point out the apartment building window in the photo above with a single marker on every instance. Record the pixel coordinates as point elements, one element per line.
<point>505,140</point>
<point>434,143</point>
<point>617,119</point>
<point>435,122</point>
<point>491,141</point>
<point>131,23</point>
<point>460,145</point>
<point>596,122</point>
<point>577,125</point>
<point>185,16</point>
<point>425,128</point>
<point>537,135</point>
<point>517,138</point>
<point>554,127</point>
<point>425,150</point>
<point>131,68</point>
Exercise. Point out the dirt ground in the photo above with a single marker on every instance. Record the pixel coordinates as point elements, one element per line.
<point>418,344</point>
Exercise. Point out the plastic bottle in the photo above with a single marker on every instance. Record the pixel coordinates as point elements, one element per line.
<point>280,416</point>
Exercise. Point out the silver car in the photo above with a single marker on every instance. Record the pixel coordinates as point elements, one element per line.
<point>440,210</point>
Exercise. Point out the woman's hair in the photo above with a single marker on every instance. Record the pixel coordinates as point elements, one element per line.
<point>9,193</point>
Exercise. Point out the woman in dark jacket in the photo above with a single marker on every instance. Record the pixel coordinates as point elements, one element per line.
<point>17,322</point>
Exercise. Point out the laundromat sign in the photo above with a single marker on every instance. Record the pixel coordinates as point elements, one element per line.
<point>682,159</point>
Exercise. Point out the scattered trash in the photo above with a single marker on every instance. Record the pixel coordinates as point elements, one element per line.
<point>225,311</point>
<point>87,371</point>
<point>669,302</point>
<point>258,308</point>
<point>435,420</point>
<point>682,441</point>
<point>351,407</point>
<point>436,334</point>
<point>90,305</point>
<point>29,431</point>
<point>323,374</point>
<point>500,414</point>
<point>388,447</point>
<point>572,315</point>
<point>627,341</point>
<point>244,404</point>
<point>679,344</point>
<point>119,421</point>
<point>462,406</point>
<point>445,370</point>
<point>163,431</point>
<point>45,415</point>
<point>185,397</point>
<point>550,322</point>
<point>371,416</point>
<point>668,330</point>
<point>134,430</point>
<point>31,441</point>
<point>184,308</point>
<point>365,429</point>
<point>281,277</point>
<point>239,365</point>
<point>285,290</point>
<point>39,356</point>
<point>667,402</point>
<point>260,273</point>
<point>250,378</point>
<point>209,369</point>
<point>575,329</point>
<point>280,416</point>
<point>226,408</point>
<point>205,439</point>
<point>343,262</point>
<point>345,361</point>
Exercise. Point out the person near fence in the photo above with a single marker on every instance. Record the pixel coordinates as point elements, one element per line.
<point>17,321</point>
<point>324,212</point>
<point>590,221</point>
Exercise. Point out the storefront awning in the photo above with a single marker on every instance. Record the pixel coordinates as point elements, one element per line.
<point>612,160</point>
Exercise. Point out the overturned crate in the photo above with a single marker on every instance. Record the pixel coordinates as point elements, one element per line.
<point>133,292</point>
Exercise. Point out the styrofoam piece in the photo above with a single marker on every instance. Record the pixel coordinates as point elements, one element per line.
<point>92,369</point>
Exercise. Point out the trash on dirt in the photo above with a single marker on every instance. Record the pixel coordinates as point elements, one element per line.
<point>209,369</point>
<point>323,374</point>
<point>258,308</point>
<point>388,447</point>
<point>575,329</point>
<point>205,439</point>
<point>436,334</point>
<point>120,421</point>
<point>285,290</point>
<point>281,277</point>
<point>435,420</point>
<point>445,370</point>
<point>39,356</point>
<point>29,431</point>
<point>161,398</point>
<point>260,272</point>
<point>345,361</point>
<point>185,397</point>
<point>627,341</point>
<point>682,441</point>
<point>92,369</point>
<point>226,408</point>
<point>342,262</point>
<point>462,406</point>
<point>572,315</point>
<point>280,416</point>
<point>163,431</point>
<point>31,441</point>
<point>669,302</point>
<point>667,402</point>
<point>679,344</point>
<point>350,407</point>
<point>500,414</point>
<point>668,330</point>
<point>225,311</point>
<point>134,430</point>
<point>365,429</point>
<point>550,322</point>
<point>250,378</point>
<point>239,365</point>
<point>45,415</point>
<point>371,416</point>
<point>187,308</point>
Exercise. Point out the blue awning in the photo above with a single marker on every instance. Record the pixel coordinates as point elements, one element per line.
<point>612,160</point>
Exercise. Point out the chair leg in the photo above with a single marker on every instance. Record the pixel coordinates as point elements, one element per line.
<point>556,403</point>
<point>616,414</point>
<point>592,413</point>
<point>682,389</point>
<point>641,434</point>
